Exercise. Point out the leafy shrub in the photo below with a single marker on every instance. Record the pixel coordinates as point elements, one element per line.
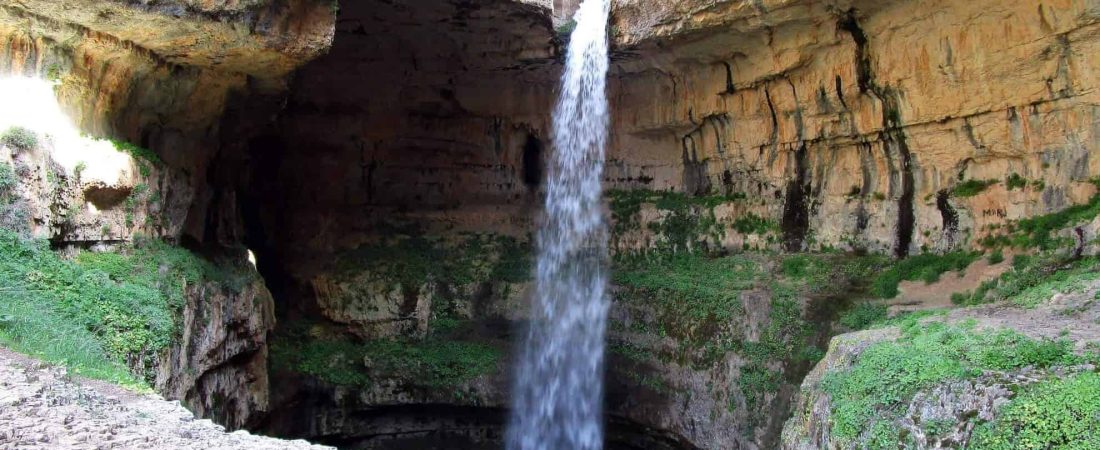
<point>863,315</point>
<point>19,138</point>
<point>996,257</point>
<point>754,224</point>
<point>566,29</point>
<point>970,188</point>
<point>1015,181</point>
<point>1055,414</point>
<point>926,266</point>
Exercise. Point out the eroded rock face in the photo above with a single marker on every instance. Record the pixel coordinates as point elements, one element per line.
<point>851,123</point>
<point>806,125</point>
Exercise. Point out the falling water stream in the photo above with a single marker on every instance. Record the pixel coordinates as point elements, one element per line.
<point>558,392</point>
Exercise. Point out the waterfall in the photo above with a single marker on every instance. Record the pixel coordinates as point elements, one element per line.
<point>558,391</point>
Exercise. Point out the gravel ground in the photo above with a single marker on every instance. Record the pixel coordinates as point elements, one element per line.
<point>41,407</point>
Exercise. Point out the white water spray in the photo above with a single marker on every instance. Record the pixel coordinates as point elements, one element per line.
<point>558,395</point>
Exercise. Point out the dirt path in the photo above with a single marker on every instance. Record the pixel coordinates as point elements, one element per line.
<point>43,408</point>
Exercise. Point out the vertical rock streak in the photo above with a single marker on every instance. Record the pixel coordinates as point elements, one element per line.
<point>558,392</point>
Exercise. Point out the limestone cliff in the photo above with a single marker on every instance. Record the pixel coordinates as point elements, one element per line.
<point>853,124</point>
<point>384,160</point>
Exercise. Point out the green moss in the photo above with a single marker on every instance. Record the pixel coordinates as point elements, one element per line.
<point>970,188</point>
<point>434,363</point>
<point>19,138</point>
<point>146,159</point>
<point>412,261</point>
<point>926,266</point>
<point>878,387</point>
<point>1054,414</point>
<point>1035,232</point>
<point>687,221</point>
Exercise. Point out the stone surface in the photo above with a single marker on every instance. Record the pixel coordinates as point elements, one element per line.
<point>42,407</point>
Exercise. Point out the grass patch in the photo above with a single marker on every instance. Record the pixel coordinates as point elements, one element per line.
<point>130,302</point>
<point>878,387</point>
<point>926,266</point>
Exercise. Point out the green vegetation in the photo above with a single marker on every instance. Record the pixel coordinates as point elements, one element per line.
<point>863,315</point>
<point>926,266</point>
<point>566,29</point>
<point>19,138</point>
<point>698,301</point>
<point>876,390</point>
<point>129,302</point>
<point>137,152</point>
<point>432,362</point>
<point>970,188</point>
<point>1035,232</point>
<point>696,294</point>
<point>1015,181</point>
<point>1054,414</point>
<point>996,257</point>
<point>14,213</point>
<point>412,261</point>
<point>1033,280</point>
<point>687,222</point>
<point>754,224</point>
<point>8,183</point>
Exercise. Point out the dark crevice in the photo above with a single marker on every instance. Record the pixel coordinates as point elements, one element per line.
<point>893,133</point>
<point>729,79</point>
<point>532,162</point>
<point>695,180</point>
<point>850,24</point>
<point>840,92</point>
<point>949,215</point>
<point>774,139</point>
<point>796,220</point>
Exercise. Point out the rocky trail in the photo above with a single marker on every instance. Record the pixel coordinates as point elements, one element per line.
<point>42,407</point>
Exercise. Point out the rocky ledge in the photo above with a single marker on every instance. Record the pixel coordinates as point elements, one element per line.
<point>42,407</point>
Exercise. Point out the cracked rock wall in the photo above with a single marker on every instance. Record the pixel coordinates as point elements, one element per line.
<point>851,123</point>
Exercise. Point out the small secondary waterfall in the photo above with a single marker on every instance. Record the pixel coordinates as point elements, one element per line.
<point>558,392</point>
